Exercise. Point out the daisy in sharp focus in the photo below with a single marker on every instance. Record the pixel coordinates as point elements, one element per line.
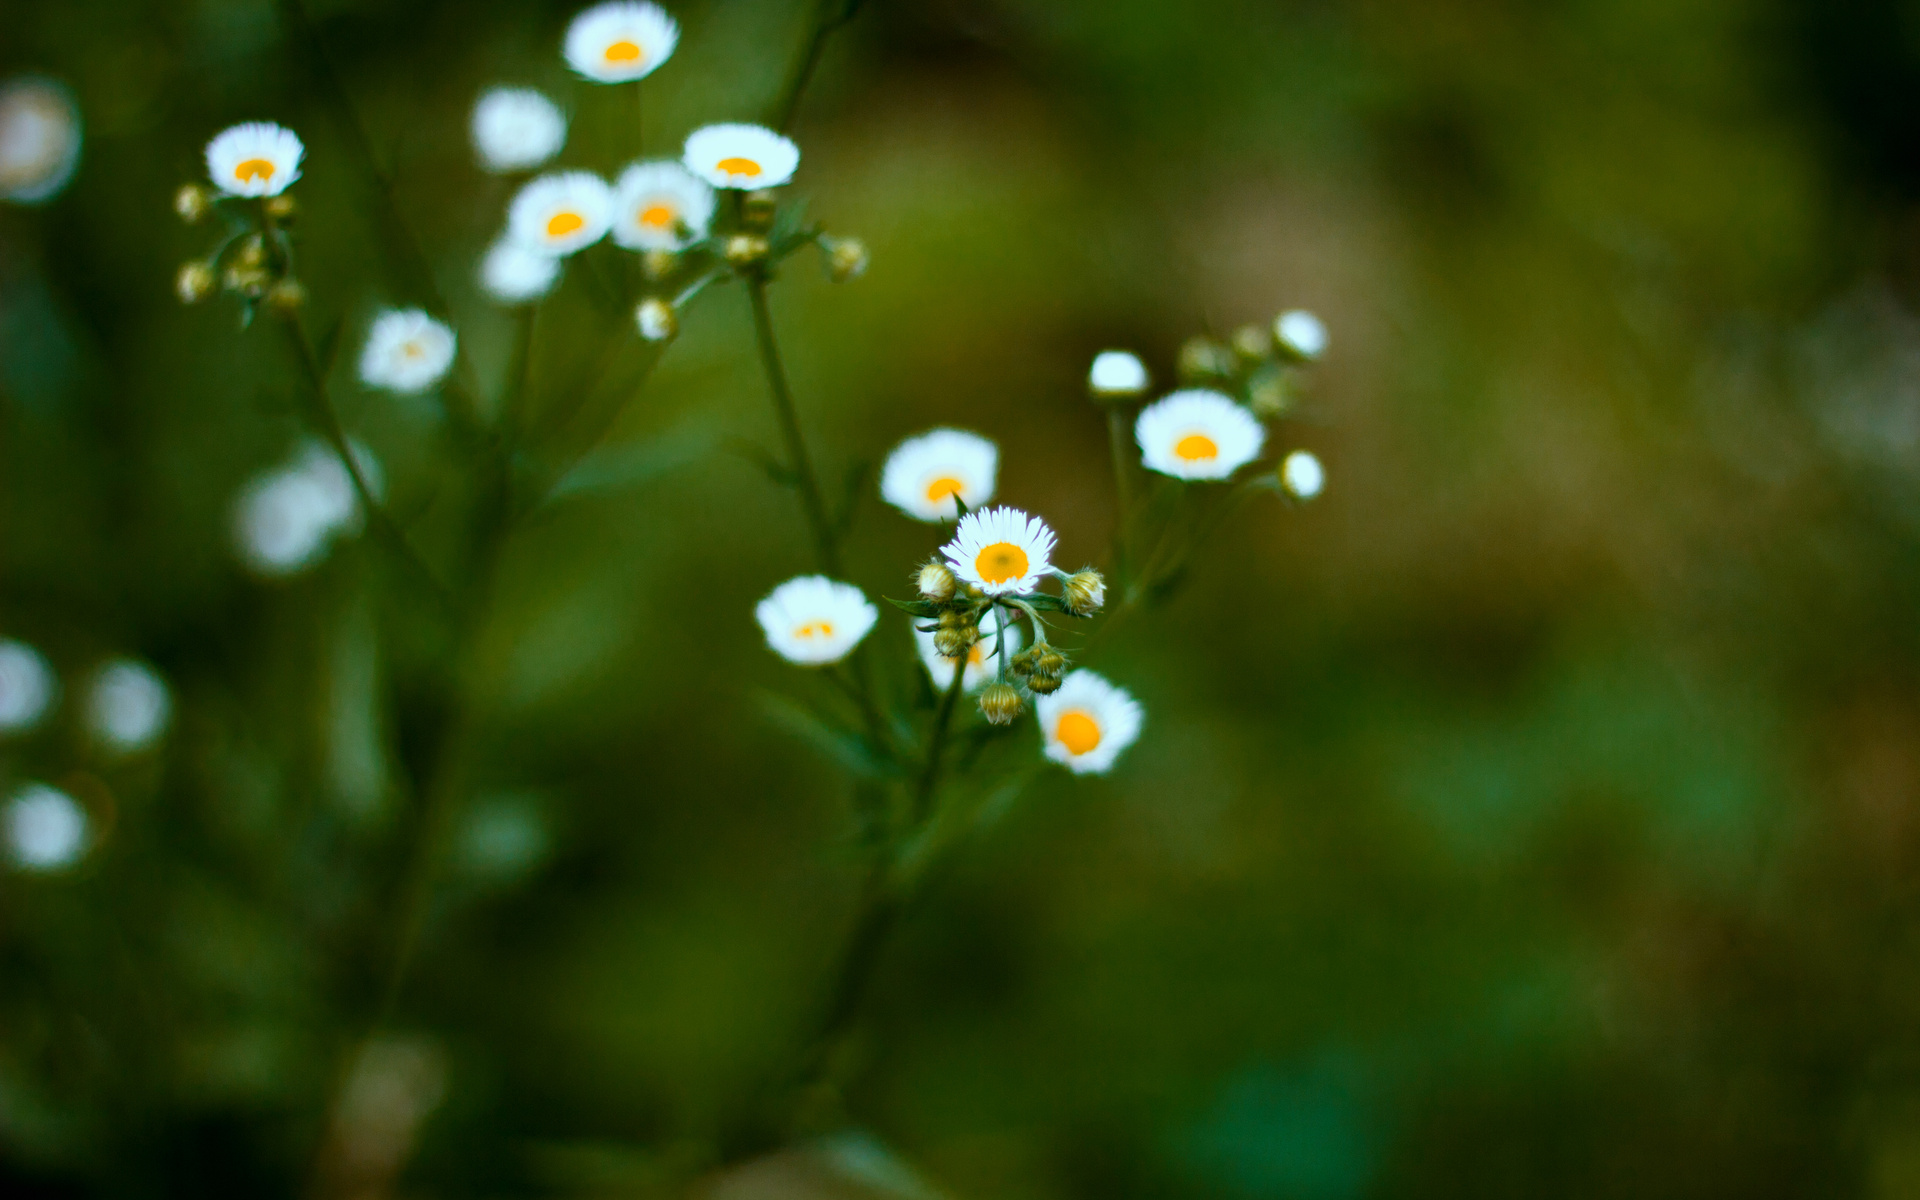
<point>983,657</point>
<point>1197,434</point>
<point>925,474</point>
<point>407,351</point>
<point>1003,550</point>
<point>1087,723</point>
<point>517,129</point>
<point>740,156</point>
<point>513,274</point>
<point>561,213</point>
<point>660,206</point>
<point>620,42</point>
<point>258,158</point>
<point>813,620</point>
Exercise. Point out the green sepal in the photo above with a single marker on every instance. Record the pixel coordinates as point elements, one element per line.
<point>842,746</point>
<point>918,608</point>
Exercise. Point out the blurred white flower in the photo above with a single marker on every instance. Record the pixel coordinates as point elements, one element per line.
<point>660,206</point>
<point>1003,550</point>
<point>813,620</point>
<point>128,706</point>
<point>1303,331</point>
<point>407,351</point>
<point>1302,474</point>
<point>1197,434</point>
<point>656,319</point>
<point>39,139</point>
<point>514,274</point>
<point>285,518</point>
<point>740,156</point>
<point>516,129</point>
<point>1117,373</point>
<point>562,212</point>
<point>622,41</point>
<point>46,829</point>
<point>27,687</point>
<point>1087,723</point>
<point>926,473</point>
<point>258,158</point>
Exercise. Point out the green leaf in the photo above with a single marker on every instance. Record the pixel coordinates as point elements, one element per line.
<point>842,746</point>
<point>918,608</point>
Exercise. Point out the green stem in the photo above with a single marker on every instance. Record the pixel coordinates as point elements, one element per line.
<point>798,460</point>
<point>937,743</point>
<point>1122,491</point>
<point>788,105</point>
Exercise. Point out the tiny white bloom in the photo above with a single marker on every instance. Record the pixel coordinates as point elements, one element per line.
<point>925,473</point>
<point>39,139</point>
<point>128,705</point>
<point>562,212</point>
<point>1302,474</point>
<point>1003,550</point>
<point>517,129</point>
<point>982,660</point>
<point>1087,723</point>
<point>1303,331</point>
<point>27,686</point>
<point>285,518</point>
<point>514,274</point>
<point>340,508</point>
<point>406,351</point>
<point>1197,434</point>
<point>1117,373</point>
<point>660,206</point>
<point>258,158</point>
<point>813,620</point>
<point>656,319</point>
<point>622,41</point>
<point>740,156</point>
<point>45,829</point>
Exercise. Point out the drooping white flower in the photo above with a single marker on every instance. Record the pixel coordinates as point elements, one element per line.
<point>27,686</point>
<point>285,518</point>
<point>740,156</point>
<point>406,351</point>
<point>982,659</point>
<point>813,620</point>
<point>39,139</point>
<point>513,273</point>
<point>561,213</point>
<point>1003,550</point>
<point>1303,331</point>
<point>517,129</point>
<point>46,830</point>
<point>622,41</point>
<point>128,706</point>
<point>1117,373</point>
<point>925,473</point>
<point>258,158</point>
<point>1302,475</point>
<point>660,206</point>
<point>1197,434</point>
<point>1087,723</point>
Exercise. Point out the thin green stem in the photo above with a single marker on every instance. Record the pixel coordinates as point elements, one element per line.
<point>1122,493</point>
<point>512,416</point>
<point>937,743</point>
<point>798,461</point>
<point>829,16</point>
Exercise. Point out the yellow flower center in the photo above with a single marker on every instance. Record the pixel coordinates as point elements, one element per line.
<point>561,224</point>
<point>941,488</point>
<point>1077,731</point>
<point>623,51</point>
<point>738,166</point>
<point>1194,447</point>
<point>977,655</point>
<point>253,168</point>
<point>658,215</point>
<point>412,350</point>
<point>814,629</point>
<point>1000,562</point>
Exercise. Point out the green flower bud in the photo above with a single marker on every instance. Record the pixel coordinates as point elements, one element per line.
<point>192,202</point>
<point>1203,359</point>
<point>1001,704</point>
<point>1085,592</point>
<point>936,582</point>
<point>846,259</point>
<point>656,319</point>
<point>757,209</point>
<point>194,282</point>
<point>746,249</point>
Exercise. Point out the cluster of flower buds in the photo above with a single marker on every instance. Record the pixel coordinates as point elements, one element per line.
<point>251,167</point>
<point>1260,364</point>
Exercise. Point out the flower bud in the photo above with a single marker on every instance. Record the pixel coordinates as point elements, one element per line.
<point>194,282</point>
<point>252,252</point>
<point>1117,375</point>
<point>1001,704</point>
<point>1202,359</point>
<point>1270,393</point>
<point>936,582</point>
<point>248,281</point>
<point>745,249</point>
<point>287,296</point>
<point>1301,333</point>
<point>281,207</point>
<point>846,259</point>
<point>954,643</point>
<point>192,203</point>
<point>1302,475</point>
<point>1021,665</point>
<point>1085,592</point>
<point>757,208</point>
<point>1049,668</point>
<point>1252,343</point>
<point>658,263</point>
<point>656,319</point>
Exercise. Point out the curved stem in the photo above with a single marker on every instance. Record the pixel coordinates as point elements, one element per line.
<point>937,743</point>
<point>798,461</point>
<point>788,105</point>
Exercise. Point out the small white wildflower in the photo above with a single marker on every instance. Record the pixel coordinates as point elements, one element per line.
<point>1117,373</point>
<point>406,351</point>
<point>517,129</point>
<point>656,319</point>
<point>660,206</point>
<point>39,139</point>
<point>1303,331</point>
<point>1302,474</point>
<point>1003,550</point>
<point>562,212</point>
<point>740,156</point>
<point>514,274</point>
<point>46,830</point>
<point>1197,434</point>
<point>813,620</point>
<point>1087,723</point>
<point>285,518</point>
<point>128,706</point>
<point>258,158</point>
<point>27,687</point>
<point>619,42</point>
<point>926,473</point>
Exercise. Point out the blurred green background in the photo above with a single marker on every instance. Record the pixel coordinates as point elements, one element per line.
<point>1536,813</point>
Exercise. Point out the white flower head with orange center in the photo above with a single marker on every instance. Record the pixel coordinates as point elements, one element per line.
<point>1197,434</point>
<point>813,620</point>
<point>517,129</point>
<point>514,274</point>
<point>255,159</point>
<point>982,659</point>
<point>620,42</point>
<point>660,206</point>
<point>1087,723</point>
<point>740,156</point>
<point>1002,550</point>
<point>561,213</point>
<point>926,473</point>
<point>406,351</point>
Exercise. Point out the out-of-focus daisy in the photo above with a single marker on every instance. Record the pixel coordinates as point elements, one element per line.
<point>46,829</point>
<point>1003,550</point>
<point>1305,333</point>
<point>740,156</point>
<point>813,620</point>
<point>517,129</point>
<point>1117,373</point>
<point>285,518</point>
<point>39,139</point>
<point>1302,475</point>
<point>925,474</point>
<point>615,43</point>
<point>128,706</point>
<point>258,158</point>
<point>660,206</point>
<point>514,274</point>
<point>1197,434</point>
<point>407,351</point>
<point>1087,723</point>
<point>982,659</point>
<point>562,212</point>
<point>27,686</point>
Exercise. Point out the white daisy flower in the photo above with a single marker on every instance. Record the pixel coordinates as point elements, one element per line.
<point>660,206</point>
<point>1197,434</point>
<point>27,687</point>
<point>740,156</point>
<point>1302,475</point>
<point>1303,331</point>
<point>39,139</point>
<point>514,274</point>
<point>407,351</point>
<point>813,620</point>
<point>924,474</point>
<point>562,212</point>
<point>517,129</point>
<point>46,829</point>
<point>258,158</point>
<point>285,519</point>
<point>128,706</point>
<point>1117,373</point>
<point>982,661</point>
<point>615,43</point>
<point>1087,723</point>
<point>1003,550</point>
